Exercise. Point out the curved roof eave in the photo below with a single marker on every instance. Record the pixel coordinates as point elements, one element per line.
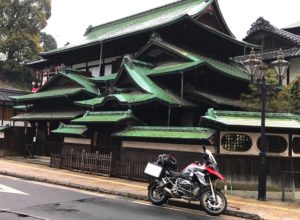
<point>97,42</point>
<point>224,36</point>
<point>181,18</point>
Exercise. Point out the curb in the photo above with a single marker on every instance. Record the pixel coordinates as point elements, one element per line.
<point>123,194</point>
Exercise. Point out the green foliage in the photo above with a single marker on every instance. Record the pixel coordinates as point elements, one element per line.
<point>278,98</point>
<point>21,22</point>
<point>48,42</point>
<point>294,94</point>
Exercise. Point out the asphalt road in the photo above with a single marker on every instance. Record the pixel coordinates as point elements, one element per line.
<point>27,200</point>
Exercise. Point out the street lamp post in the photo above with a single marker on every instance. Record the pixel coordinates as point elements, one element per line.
<point>257,69</point>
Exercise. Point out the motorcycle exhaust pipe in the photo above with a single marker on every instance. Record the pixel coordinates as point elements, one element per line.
<point>168,190</point>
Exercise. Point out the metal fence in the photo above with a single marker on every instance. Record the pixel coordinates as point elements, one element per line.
<point>98,163</point>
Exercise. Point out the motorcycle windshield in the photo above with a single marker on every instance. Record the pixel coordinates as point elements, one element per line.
<point>211,157</point>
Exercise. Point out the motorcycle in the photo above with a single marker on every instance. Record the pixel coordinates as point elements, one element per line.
<point>193,183</point>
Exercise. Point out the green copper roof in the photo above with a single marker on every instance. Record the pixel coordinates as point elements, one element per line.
<point>172,68</point>
<point>103,117</point>
<point>70,130</point>
<point>128,98</point>
<point>48,115</point>
<point>133,97</point>
<point>74,76</point>
<point>144,21</point>
<point>216,99</point>
<point>81,82</point>
<point>137,73</point>
<point>48,94</point>
<point>167,132</point>
<point>23,107</point>
<point>252,119</point>
<point>106,78</point>
<point>91,102</point>
<point>229,67</point>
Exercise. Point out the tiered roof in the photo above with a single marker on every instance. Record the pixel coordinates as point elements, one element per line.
<point>143,76</point>
<point>153,20</point>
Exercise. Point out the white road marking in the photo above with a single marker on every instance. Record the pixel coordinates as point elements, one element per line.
<point>7,189</point>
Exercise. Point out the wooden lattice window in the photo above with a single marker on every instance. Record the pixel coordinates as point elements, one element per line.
<point>274,144</point>
<point>296,145</point>
<point>236,142</point>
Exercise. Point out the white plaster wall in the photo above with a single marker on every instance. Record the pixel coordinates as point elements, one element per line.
<point>77,140</point>
<point>79,65</point>
<point>254,149</point>
<point>295,154</point>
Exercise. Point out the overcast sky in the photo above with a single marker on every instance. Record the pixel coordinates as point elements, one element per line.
<point>70,18</point>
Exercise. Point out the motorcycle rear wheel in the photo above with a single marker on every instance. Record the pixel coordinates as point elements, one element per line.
<point>156,194</point>
<point>213,207</point>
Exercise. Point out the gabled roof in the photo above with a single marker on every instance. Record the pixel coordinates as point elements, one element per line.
<point>81,84</point>
<point>146,84</point>
<point>251,119</point>
<point>228,68</point>
<point>263,25</point>
<point>148,21</point>
<point>137,72</point>
<point>76,77</point>
<point>139,22</point>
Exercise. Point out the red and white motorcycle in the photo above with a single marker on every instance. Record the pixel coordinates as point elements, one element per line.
<point>194,183</point>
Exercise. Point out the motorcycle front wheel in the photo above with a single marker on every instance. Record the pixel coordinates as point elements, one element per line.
<point>156,194</point>
<point>213,206</point>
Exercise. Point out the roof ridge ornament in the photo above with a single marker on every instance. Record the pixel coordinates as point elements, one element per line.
<point>155,36</point>
<point>211,112</point>
<point>127,59</point>
<point>128,113</point>
<point>86,113</point>
<point>89,28</point>
<point>259,24</point>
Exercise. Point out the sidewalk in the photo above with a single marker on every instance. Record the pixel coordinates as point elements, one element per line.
<point>237,206</point>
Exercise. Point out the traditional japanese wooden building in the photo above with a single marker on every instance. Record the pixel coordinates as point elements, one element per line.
<point>138,87</point>
<point>8,144</point>
<point>165,67</point>
<point>51,106</point>
<point>238,145</point>
<point>271,39</point>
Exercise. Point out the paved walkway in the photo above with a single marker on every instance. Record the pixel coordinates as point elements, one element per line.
<point>237,206</point>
